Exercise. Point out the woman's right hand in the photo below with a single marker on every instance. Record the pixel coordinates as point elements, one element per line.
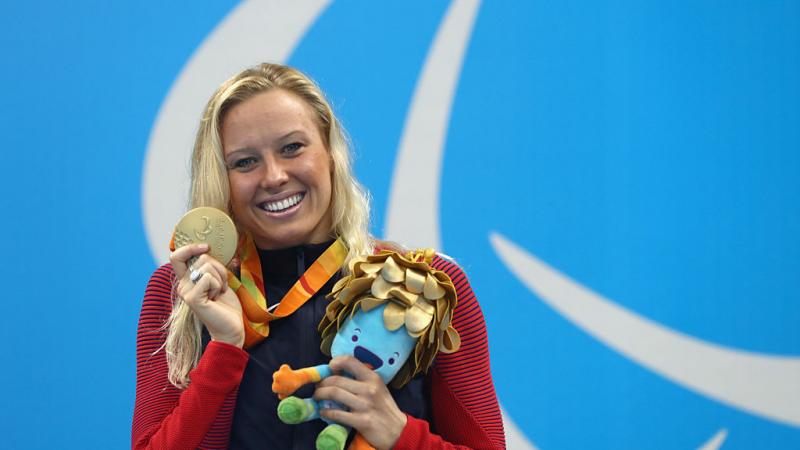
<point>209,298</point>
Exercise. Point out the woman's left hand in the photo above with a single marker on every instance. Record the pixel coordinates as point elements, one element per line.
<point>373,411</point>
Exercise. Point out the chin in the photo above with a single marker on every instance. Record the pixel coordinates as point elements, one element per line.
<point>290,233</point>
<point>288,239</point>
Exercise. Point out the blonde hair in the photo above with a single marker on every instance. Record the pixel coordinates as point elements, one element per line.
<point>209,187</point>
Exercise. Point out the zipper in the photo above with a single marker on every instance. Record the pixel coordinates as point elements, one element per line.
<point>301,262</point>
<point>301,269</point>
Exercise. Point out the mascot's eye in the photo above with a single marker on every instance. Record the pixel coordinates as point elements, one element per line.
<point>392,359</point>
<point>356,332</point>
<point>355,338</point>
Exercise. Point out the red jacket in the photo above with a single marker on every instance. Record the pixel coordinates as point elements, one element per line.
<point>464,404</point>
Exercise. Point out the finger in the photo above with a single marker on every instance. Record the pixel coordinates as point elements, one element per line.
<point>198,294</point>
<point>354,367</point>
<point>229,299</point>
<point>208,268</point>
<point>187,289</point>
<point>348,384</point>
<point>208,263</point>
<point>219,269</point>
<point>337,394</point>
<point>341,416</point>
<point>214,286</point>
<point>198,261</point>
<point>179,257</point>
<point>184,287</point>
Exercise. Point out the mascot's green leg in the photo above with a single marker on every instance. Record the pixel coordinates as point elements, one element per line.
<point>293,410</point>
<point>333,437</point>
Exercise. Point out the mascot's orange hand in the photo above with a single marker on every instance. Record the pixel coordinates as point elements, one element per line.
<point>285,381</point>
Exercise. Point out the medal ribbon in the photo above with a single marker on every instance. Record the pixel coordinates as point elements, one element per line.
<point>249,287</point>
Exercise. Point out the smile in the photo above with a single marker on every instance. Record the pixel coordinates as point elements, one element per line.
<point>282,205</point>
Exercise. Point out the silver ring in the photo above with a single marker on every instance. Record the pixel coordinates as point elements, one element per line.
<point>195,275</point>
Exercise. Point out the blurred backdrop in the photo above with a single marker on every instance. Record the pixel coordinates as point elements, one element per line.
<point>619,179</point>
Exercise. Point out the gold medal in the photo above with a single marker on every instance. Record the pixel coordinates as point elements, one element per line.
<point>206,225</point>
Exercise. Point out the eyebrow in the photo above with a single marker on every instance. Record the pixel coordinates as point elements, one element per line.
<point>283,138</point>
<point>290,134</point>
<point>236,152</point>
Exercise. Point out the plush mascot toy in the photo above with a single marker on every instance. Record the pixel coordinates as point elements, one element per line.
<point>392,313</point>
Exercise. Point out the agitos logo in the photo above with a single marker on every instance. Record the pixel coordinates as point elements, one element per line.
<point>761,385</point>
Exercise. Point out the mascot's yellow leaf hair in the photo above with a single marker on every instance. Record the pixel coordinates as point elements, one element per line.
<point>419,297</point>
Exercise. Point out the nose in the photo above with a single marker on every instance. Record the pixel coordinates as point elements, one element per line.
<point>274,174</point>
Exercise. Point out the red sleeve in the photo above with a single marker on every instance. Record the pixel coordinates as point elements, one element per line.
<point>465,409</point>
<point>165,417</point>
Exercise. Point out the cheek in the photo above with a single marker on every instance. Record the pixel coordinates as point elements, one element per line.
<point>241,190</point>
<point>321,166</point>
<point>319,176</point>
<point>342,344</point>
<point>235,188</point>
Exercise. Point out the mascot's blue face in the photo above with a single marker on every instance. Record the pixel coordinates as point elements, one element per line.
<point>365,337</point>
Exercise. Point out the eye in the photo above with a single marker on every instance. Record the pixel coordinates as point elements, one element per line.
<point>356,332</point>
<point>243,164</point>
<point>394,358</point>
<point>291,149</point>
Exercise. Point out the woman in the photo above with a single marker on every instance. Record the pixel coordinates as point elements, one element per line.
<point>270,152</point>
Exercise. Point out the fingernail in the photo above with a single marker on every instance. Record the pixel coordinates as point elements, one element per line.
<point>203,246</point>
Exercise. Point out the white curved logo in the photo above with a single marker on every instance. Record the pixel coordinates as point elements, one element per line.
<point>257,31</point>
<point>417,171</point>
<point>765,385</point>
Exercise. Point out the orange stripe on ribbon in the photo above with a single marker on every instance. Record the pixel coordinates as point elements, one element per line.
<point>256,316</point>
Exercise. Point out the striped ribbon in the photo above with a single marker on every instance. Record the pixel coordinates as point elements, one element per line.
<point>249,287</point>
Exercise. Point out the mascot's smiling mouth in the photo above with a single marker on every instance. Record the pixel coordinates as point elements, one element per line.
<point>369,359</point>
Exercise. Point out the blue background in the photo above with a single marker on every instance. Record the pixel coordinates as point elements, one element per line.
<point>649,150</point>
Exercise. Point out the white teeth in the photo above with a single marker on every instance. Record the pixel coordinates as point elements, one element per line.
<point>283,204</point>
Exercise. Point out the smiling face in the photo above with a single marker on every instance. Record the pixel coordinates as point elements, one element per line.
<point>279,170</point>
<point>364,336</point>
